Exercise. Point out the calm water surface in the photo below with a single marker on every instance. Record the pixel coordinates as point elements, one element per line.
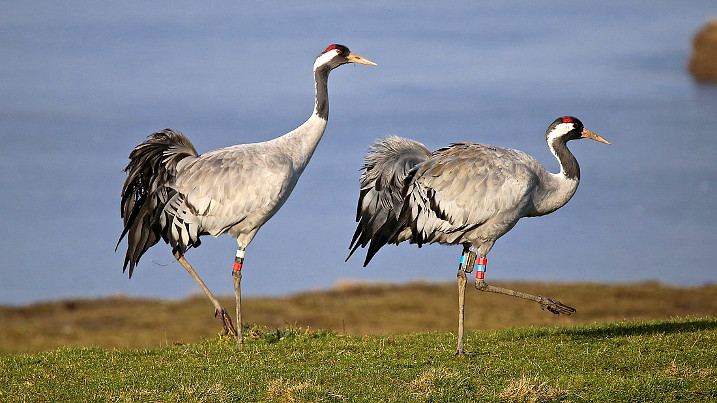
<point>81,83</point>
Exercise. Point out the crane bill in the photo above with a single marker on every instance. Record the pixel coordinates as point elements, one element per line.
<point>587,134</point>
<point>354,58</point>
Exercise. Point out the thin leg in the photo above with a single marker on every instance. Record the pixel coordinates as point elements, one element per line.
<point>218,307</point>
<point>236,276</point>
<point>461,310</point>
<point>551,305</point>
<point>468,259</point>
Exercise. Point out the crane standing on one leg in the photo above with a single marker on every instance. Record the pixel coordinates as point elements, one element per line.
<point>174,194</point>
<point>465,194</point>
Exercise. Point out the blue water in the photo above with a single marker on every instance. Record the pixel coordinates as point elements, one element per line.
<point>82,82</point>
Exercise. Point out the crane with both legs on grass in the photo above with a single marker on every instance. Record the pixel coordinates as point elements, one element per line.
<point>176,195</point>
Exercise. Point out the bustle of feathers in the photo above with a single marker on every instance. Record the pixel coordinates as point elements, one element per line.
<point>147,189</point>
<point>386,168</point>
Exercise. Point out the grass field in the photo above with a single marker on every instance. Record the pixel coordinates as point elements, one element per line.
<point>641,361</point>
<point>636,342</point>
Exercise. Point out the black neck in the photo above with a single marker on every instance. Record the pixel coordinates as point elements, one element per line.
<point>321,77</point>
<point>568,162</point>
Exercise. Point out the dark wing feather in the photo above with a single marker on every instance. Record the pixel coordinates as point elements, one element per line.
<point>385,171</point>
<point>150,172</point>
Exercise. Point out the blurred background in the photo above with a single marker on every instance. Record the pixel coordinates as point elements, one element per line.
<point>83,82</point>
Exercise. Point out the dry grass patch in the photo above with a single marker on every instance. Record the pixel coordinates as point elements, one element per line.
<point>431,380</point>
<point>283,390</point>
<point>528,389</point>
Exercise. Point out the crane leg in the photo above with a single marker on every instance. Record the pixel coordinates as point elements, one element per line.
<point>236,276</point>
<point>551,305</point>
<point>461,310</point>
<point>218,307</point>
<point>466,266</point>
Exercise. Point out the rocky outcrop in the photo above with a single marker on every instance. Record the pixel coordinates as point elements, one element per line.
<point>703,63</point>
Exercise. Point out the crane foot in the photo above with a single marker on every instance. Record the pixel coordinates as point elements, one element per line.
<point>555,307</point>
<point>226,321</point>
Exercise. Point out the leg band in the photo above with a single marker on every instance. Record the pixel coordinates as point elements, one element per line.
<point>239,260</point>
<point>467,261</point>
<point>481,264</point>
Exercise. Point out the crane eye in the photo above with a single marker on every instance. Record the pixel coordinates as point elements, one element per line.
<point>338,51</point>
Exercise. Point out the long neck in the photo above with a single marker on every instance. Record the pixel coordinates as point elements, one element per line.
<point>568,163</point>
<point>301,142</point>
<point>321,78</point>
<point>556,189</point>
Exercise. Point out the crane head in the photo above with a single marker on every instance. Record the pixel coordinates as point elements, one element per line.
<point>571,128</point>
<point>335,55</point>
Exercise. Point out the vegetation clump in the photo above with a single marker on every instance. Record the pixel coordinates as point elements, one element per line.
<point>703,63</point>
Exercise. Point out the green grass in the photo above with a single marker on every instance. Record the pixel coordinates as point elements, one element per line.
<point>666,360</point>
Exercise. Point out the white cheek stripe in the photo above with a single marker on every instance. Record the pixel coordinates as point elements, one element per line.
<point>560,130</point>
<point>323,59</point>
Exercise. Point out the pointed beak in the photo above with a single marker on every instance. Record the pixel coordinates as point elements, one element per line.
<point>587,134</point>
<point>354,58</point>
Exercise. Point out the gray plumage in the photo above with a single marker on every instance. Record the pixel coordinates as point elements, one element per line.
<point>466,194</point>
<point>174,194</point>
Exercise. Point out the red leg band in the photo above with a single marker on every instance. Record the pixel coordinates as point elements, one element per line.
<point>237,266</point>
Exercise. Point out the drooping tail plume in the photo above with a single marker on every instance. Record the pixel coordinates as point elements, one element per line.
<point>385,170</point>
<point>150,172</point>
